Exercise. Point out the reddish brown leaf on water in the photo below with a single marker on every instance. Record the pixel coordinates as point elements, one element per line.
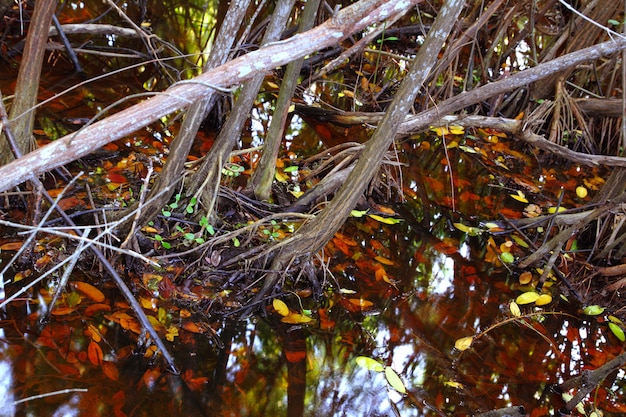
<point>70,202</point>
<point>466,196</point>
<point>94,309</point>
<point>43,261</point>
<point>117,178</point>
<point>118,400</point>
<point>89,291</point>
<point>94,353</point>
<point>192,327</point>
<point>110,370</point>
<point>63,311</point>
<point>295,356</point>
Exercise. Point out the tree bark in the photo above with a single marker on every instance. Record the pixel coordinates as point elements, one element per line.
<point>21,114</point>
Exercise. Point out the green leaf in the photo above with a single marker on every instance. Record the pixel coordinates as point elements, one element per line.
<point>358,213</point>
<point>594,310</point>
<point>210,229</point>
<point>613,22</point>
<point>617,331</point>
<point>166,245</point>
<point>189,236</point>
<point>472,231</point>
<point>292,168</point>
<point>369,364</point>
<point>507,257</point>
<point>385,220</point>
<point>394,380</point>
<point>236,242</point>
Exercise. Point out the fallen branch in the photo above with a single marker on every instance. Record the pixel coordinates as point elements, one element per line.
<point>180,95</point>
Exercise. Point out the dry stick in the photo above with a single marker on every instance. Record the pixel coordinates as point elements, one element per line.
<point>588,380</point>
<point>68,47</point>
<point>263,176</point>
<point>226,140</point>
<point>27,85</point>
<point>141,315</point>
<point>196,112</point>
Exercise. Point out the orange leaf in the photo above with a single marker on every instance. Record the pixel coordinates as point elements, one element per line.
<point>89,291</point>
<point>94,309</point>
<point>94,352</point>
<point>383,260</point>
<point>62,311</point>
<point>359,302</point>
<point>192,327</point>
<point>295,356</point>
<point>11,245</point>
<point>110,370</point>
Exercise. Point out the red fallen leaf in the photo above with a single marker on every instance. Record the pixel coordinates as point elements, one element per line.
<point>70,202</point>
<point>94,353</point>
<point>468,196</point>
<point>295,356</point>
<point>117,178</point>
<point>150,377</point>
<point>110,370</point>
<point>43,261</point>
<point>110,147</point>
<point>118,400</point>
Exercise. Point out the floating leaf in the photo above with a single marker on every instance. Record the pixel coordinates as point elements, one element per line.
<point>594,310</point>
<point>94,353</point>
<point>359,302</point>
<point>296,318</point>
<point>358,213</point>
<point>615,319</point>
<point>456,130</point>
<point>515,309</point>
<point>507,257</point>
<point>520,241</point>
<point>525,277</point>
<point>385,220</point>
<point>472,231</point>
<point>369,364</point>
<point>383,260</point>
<point>453,384</point>
<point>11,245</point>
<point>544,299</point>
<point>527,297</point>
<point>617,331</point>
<point>464,343</point>
<point>581,191</point>
<point>394,380</point>
<point>280,307</point>
<point>292,168</point>
<point>519,197</point>
<point>553,210</point>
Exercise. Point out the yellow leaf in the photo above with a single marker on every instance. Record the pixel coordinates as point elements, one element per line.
<point>280,177</point>
<point>369,364</point>
<point>515,309</point>
<point>553,210</point>
<point>172,332</point>
<point>464,343</point>
<point>453,384</point>
<point>385,220</point>
<point>527,297</point>
<point>519,197</point>
<point>296,318</point>
<point>456,130</point>
<point>394,380</point>
<point>543,300</point>
<point>383,260</point>
<point>581,191</point>
<point>280,307</point>
<point>440,131</point>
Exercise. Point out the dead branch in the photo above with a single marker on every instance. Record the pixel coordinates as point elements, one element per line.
<point>180,95</point>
